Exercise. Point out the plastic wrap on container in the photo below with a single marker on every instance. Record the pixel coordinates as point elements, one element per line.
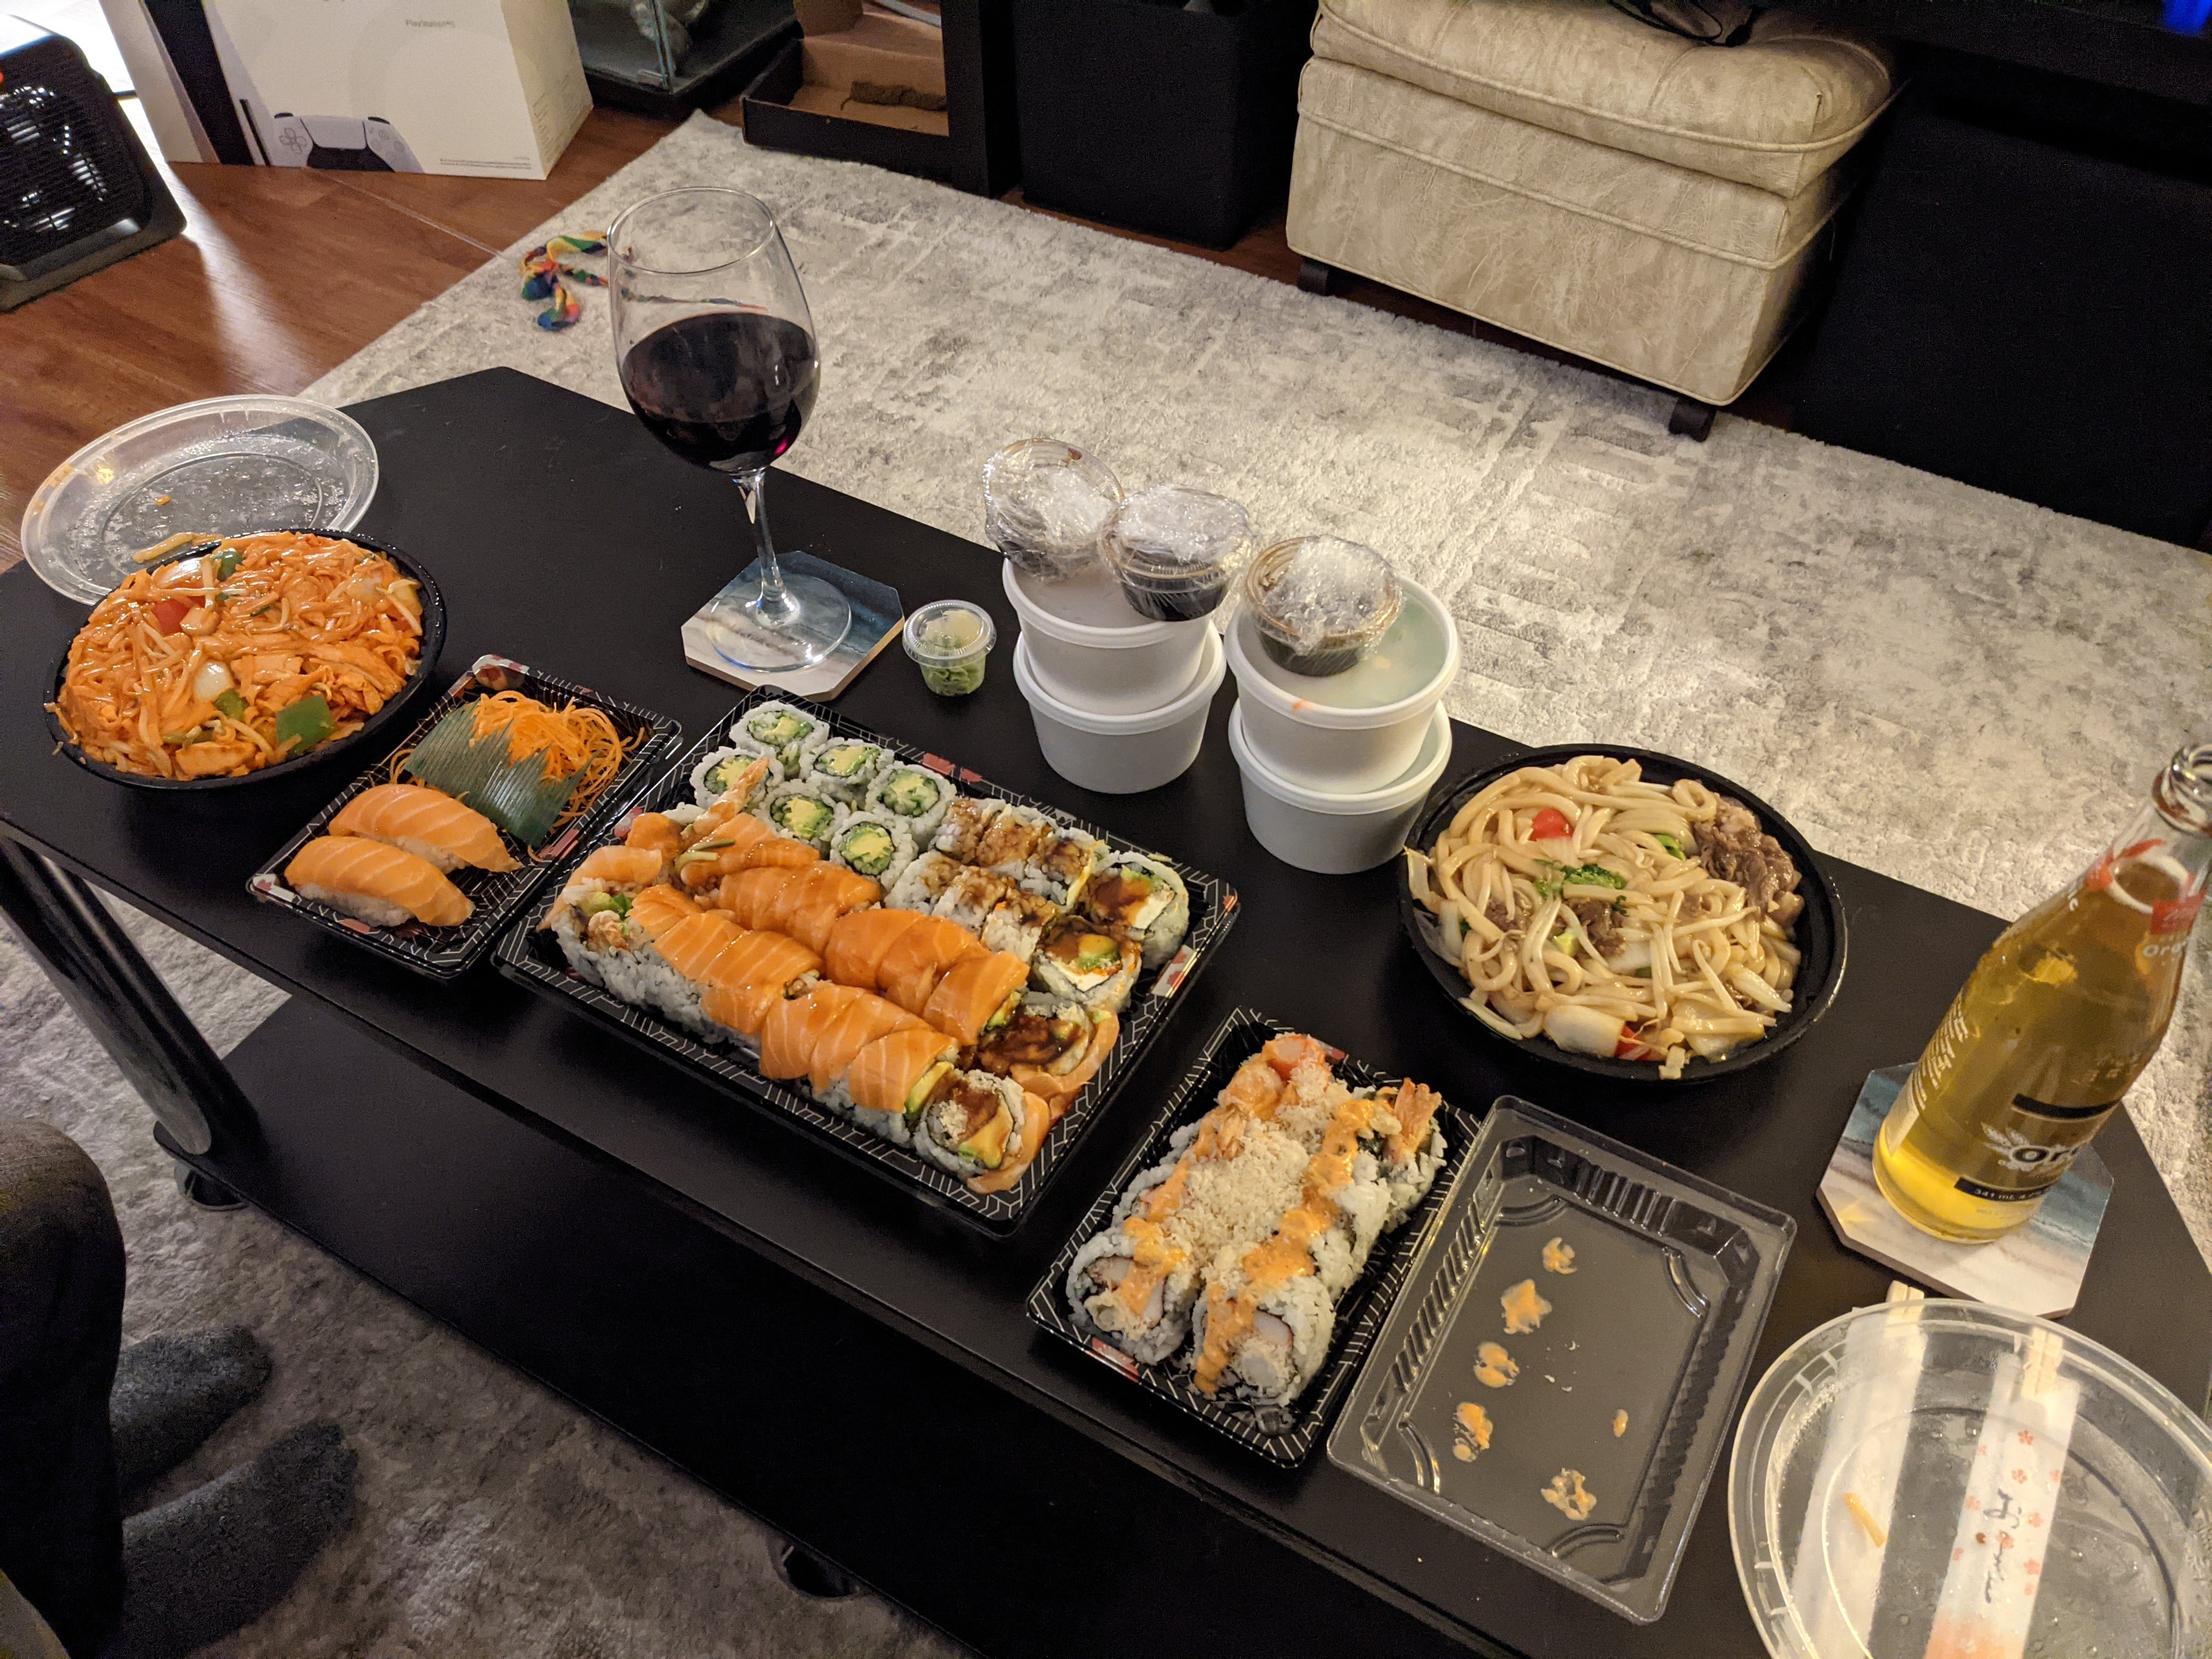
<point>1045,503</point>
<point>1322,604</point>
<point>1176,550</point>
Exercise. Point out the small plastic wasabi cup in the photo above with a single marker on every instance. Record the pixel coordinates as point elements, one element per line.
<point>950,642</point>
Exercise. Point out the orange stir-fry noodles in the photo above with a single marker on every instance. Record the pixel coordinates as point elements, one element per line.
<point>236,658</point>
<point>574,737</point>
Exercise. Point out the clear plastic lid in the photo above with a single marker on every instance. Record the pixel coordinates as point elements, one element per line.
<point>1171,538</point>
<point>1322,604</point>
<point>1926,1477</point>
<point>950,639</point>
<point>224,466</point>
<point>1045,503</point>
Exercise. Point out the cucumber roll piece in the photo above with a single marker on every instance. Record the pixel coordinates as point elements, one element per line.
<point>714,777</point>
<point>790,734</point>
<point>914,794</point>
<point>923,883</point>
<point>1076,959</point>
<point>842,771</point>
<point>797,809</point>
<point>871,844</point>
<point>972,1122</point>
<point>1145,899</point>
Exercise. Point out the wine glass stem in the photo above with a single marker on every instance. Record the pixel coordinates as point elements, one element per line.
<point>775,602</point>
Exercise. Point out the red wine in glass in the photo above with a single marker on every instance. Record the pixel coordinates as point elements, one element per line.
<point>727,389</point>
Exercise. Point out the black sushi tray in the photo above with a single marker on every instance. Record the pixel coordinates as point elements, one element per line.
<point>1285,1435</point>
<point>531,957</point>
<point>445,952</point>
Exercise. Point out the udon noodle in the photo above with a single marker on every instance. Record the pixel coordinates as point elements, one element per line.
<point>1615,916</point>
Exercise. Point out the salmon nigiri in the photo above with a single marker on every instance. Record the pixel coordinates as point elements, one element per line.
<point>692,945</point>
<point>750,896</point>
<point>657,909</point>
<point>381,884</point>
<point>977,993</point>
<point>858,940</point>
<point>795,1026</point>
<point>911,967</point>
<point>861,1021</point>
<point>891,1079</point>
<point>426,822</point>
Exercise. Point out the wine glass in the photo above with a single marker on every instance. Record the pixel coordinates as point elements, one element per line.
<point>716,351</point>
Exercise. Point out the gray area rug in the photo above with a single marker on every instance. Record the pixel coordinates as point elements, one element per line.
<point>1956,689</point>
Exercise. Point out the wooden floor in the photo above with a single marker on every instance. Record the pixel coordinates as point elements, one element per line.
<point>282,273</point>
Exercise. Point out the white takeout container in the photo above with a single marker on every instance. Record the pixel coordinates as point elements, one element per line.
<point>1091,650</point>
<point>1335,833</point>
<point>1122,753</point>
<point>1315,733</point>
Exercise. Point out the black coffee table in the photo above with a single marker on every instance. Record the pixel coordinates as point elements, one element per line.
<point>835,1356</point>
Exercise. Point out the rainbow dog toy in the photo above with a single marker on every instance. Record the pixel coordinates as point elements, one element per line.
<point>543,268</point>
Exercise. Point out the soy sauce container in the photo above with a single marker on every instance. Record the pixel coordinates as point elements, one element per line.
<point>1045,504</point>
<point>1176,551</point>
<point>1320,605</point>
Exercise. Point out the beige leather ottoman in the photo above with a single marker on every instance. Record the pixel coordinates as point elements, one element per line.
<point>1561,170</point>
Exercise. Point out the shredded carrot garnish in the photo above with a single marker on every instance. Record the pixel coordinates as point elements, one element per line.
<point>573,738</point>
<point>270,620</point>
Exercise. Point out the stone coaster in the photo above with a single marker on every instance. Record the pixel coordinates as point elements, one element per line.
<point>2037,1270</point>
<point>878,616</point>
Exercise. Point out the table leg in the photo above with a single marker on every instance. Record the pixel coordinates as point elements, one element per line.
<point>116,991</point>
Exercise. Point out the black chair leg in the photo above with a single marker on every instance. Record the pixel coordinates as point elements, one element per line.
<point>1315,277</point>
<point>1691,419</point>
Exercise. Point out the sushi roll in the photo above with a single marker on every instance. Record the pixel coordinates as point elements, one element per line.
<point>753,975</point>
<point>726,770</point>
<point>796,1025</point>
<point>1062,868</point>
<point>690,951</point>
<point>1075,959</point>
<point>798,811</point>
<point>977,994</point>
<point>1142,1310</point>
<point>750,897</point>
<point>923,882</point>
<point>861,1021</point>
<point>842,771</point>
<point>970,1122</point>
<point>872,843</point>
<point>1412,1154</point>
<point>858,942</point>
<point>970,897</point>
<point>1144,899</point>
<point>380,884</point>
<point>891,1079</point>
<point>601,924</point>
<point>427,823</point>
<point>1264,1344</point>
<point>1052,1045</point>
<point>1016,838</point>
<point>923,954</point>
<point>1017,924</point>
<point>914,795</point>
<point>966,823</point>
<point>788,734</point>
<point>812,900</point>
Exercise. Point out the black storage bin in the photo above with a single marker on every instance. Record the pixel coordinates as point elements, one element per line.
<point>1146,115</point>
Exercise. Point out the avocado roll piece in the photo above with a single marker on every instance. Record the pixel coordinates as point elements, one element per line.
<point>797,811</point>
<point>914,795</point>
<point>842,771</point>
<point>970,1122</point>
<point>714,777</point>
<point>1076,958</point>
<point>788,733</point>
<point>1145,899</point>
<point>872,844</point>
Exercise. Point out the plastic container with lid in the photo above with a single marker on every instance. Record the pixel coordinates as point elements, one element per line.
<point>1176,550</point>
<point>1950,1477</point>
<point>1122,753</point>
<point>1335,833</point>
<point>1088,650</point>
<point>1045,503</point>
<point>951,640</point>
<point>1320,605</point>
<point>1354,731</point>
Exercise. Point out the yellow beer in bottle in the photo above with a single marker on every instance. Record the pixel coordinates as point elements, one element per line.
<point>2054,1024</point>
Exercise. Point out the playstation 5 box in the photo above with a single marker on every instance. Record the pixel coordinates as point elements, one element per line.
<point>489,87</point>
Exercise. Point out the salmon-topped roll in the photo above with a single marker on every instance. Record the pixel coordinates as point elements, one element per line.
<point>811,906</point>
<point>427,823</point>
<point>795,1026</point>
<point>752,977</point>
<point>976,993</point>
<point>693,944</point>
<point>655,832</point>
<point>620,866</point>
<point>890,1080</point>
<point>657,909</point>
<point>750,896</point>
<point>911,967</point>
<point>860,1021</point>
<point>378,884</point>
<point>858,940</point>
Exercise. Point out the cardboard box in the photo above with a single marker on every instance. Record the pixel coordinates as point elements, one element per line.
<point>489,87</point>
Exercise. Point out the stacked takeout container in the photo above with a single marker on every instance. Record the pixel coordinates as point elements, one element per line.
<point>1117,656</point>
<point>1340,728</point>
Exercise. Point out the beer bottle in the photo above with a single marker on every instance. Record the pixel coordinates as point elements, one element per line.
<point>2054,1024</point>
